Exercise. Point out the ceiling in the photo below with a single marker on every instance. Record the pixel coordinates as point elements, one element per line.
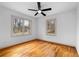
<point>57,7</point>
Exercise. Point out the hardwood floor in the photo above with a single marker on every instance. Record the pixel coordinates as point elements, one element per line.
<point>38,48</point>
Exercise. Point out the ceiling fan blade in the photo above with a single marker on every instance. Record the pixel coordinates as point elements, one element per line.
<point>36,14</point>
<point>32,9</point>
<point>43,14</point>
<point>47,9</point>
<point>39,5</point>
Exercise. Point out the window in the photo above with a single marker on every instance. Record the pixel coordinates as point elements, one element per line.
<point>20,26</point>
<point>51,30</point>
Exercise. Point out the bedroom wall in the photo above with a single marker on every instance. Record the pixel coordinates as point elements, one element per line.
<point>65,28</point>
<point>77,42</point>
<point>5,28</point>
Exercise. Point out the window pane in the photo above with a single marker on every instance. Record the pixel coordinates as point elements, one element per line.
<point>26,23</point>
<point>18,24</point>
<point>27,26</point>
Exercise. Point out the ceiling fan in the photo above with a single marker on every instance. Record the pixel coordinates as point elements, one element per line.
<point>40,11</point>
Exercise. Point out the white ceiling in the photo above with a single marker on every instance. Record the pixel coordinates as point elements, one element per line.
<point>57,7</point>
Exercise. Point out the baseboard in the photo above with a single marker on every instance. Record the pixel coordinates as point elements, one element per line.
<point>55,42</point>
<point>16,44</point>
<point>36,39</point>
<point>60,44</point>
<point>39,40</point>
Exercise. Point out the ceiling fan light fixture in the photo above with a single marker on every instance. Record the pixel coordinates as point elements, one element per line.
<point>39,11</point>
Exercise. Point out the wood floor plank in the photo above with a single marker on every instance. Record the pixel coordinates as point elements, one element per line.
<point>39,48</point>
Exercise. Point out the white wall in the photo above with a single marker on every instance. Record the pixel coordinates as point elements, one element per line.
<point>5,28</point>
<point>77,42</point>
<point>65,28</point>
